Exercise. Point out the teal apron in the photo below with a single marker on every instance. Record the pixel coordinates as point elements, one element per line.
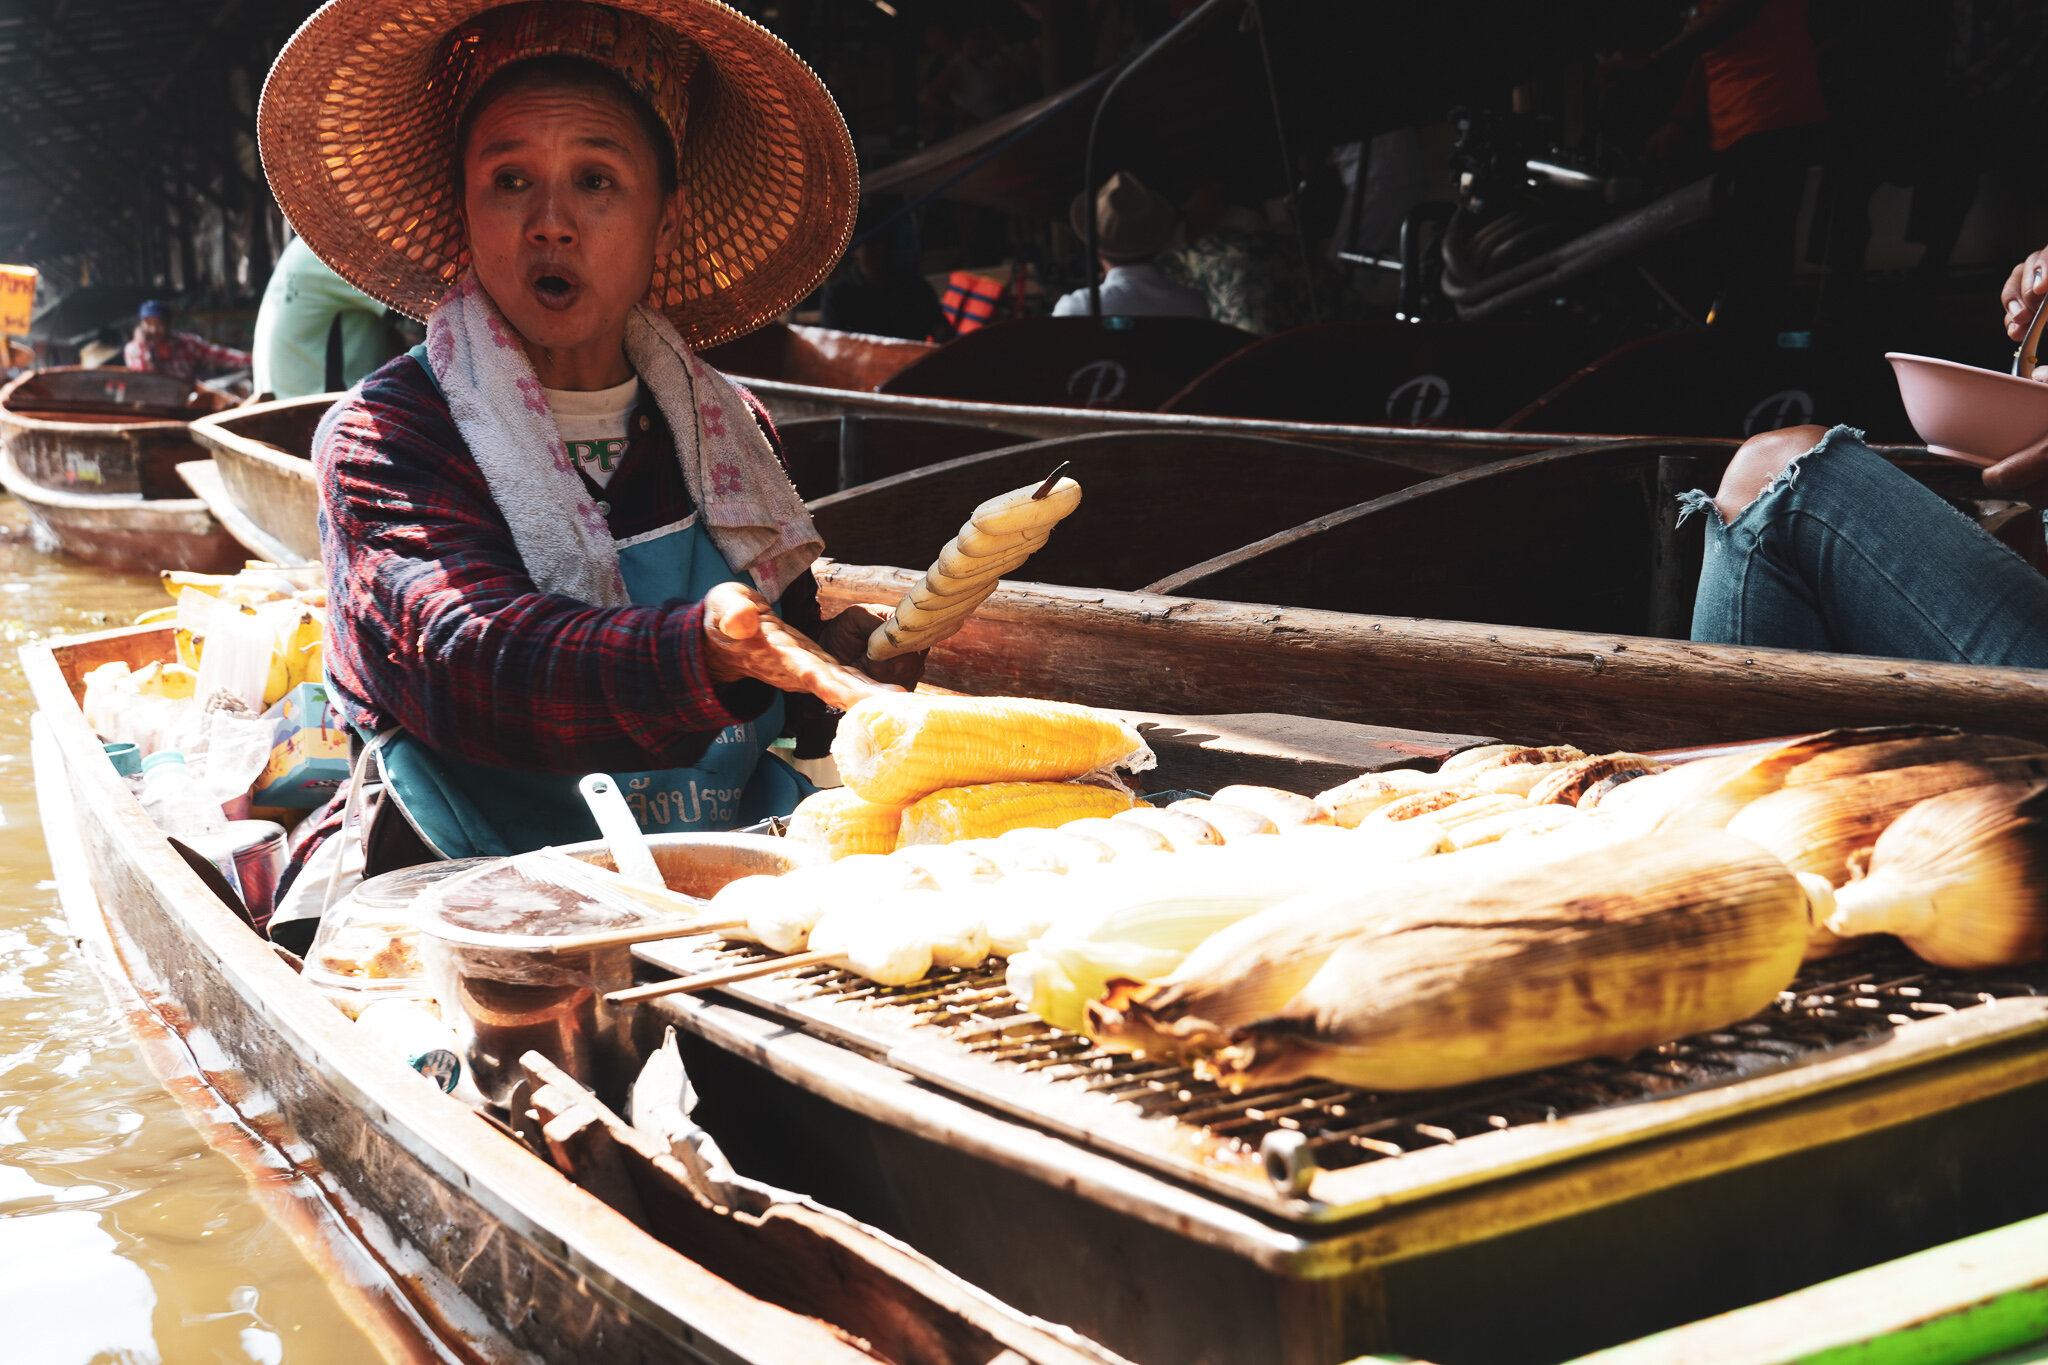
<point>466,810</point>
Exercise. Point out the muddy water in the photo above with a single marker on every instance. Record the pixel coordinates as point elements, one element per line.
<point>125,1239</point>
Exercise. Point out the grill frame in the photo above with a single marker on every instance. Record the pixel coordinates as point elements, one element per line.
<point>1983,1032</point>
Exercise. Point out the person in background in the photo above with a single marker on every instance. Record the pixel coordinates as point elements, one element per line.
<point>882,294</point>
<point>1247,265</point>
<point>158,349</point>
<point>315,332</point>
<point>1755,76</point>
<point>1133,225</point>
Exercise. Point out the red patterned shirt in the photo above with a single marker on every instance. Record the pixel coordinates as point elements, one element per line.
<point>184,355</point>
<point>434,625</point>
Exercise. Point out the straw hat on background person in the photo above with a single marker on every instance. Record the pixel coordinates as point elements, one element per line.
<point>1132,223</point>
<point>358,119</point>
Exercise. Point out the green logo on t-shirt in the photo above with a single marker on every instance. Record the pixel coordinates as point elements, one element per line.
<point>602,456</point>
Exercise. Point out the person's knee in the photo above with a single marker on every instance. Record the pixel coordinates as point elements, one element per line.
<point>1760,459</point>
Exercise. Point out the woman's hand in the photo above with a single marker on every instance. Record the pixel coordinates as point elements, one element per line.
<point>2023,291</point>
<point>744,638</point>
<point>2022,475</point>
<point>846,637</point>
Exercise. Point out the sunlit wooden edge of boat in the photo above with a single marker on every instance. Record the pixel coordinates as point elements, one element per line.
<point>273,489</point>
<point>1189,655</point>
<point>444,1185</point>
<point>302,1209</point>
<point>204,478</point>
<point>1423,447</point>
<point>129,534</point>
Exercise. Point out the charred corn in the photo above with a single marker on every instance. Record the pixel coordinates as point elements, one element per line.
<point>1568,784</point>
<point>989,809</point>
<point>1961,877</point>
<point>1472,973</point>
<point>1361,796</point>
<point>898,746</point>
<point>841,823</point>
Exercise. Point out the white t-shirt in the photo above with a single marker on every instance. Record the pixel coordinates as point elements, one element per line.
<point>593,425</point>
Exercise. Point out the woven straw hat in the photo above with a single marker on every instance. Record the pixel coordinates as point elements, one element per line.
<point>1132,223</point>
<point>357,129</point>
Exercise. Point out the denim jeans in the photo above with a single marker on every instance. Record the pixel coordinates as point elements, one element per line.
<point>1844,553</point>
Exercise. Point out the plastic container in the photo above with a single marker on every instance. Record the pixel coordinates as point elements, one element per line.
<point>176,800</point>
<point>367,946</point>
<point>127,760</point>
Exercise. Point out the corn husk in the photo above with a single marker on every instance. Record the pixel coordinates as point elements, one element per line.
<point>1821,826</point>
<point>1908,753</point>
<point>1459,978</point>
<point>1961,877</point>
<point>1710,791</point>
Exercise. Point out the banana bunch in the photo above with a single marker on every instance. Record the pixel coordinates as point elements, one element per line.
<point>999,536</point>
<point>298,615</point>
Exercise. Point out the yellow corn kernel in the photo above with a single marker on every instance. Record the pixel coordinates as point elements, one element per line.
<point>993,808</point>
<point>842,824</point>
<point>899,746</point>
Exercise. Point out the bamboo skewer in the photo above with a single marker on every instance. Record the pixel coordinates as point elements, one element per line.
<point>639,933</point>
<point>725,976</point>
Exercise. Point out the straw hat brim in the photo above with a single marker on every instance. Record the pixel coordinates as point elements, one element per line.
<point>359,159</point>
<point>1126,239</point>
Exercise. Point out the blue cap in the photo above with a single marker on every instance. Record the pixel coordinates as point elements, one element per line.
<point>156,308</point>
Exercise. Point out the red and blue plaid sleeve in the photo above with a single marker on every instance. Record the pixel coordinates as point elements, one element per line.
<point>433,624</point>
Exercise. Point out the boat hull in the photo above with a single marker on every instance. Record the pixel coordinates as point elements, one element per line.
<point>259,453</point>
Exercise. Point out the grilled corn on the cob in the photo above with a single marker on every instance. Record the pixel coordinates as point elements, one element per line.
<point>898,746</point>
<point>1467,977</point>
<point>989,809</point>
<point>1961,877</point>
<point>840,822</point>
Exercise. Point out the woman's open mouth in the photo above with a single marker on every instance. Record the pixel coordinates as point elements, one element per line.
<point>555,290</point>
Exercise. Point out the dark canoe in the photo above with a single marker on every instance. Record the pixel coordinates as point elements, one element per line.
<point>491,1248</point>
<point>1705,382</point>
<point>1431,374</point>
<point>830,454</point>
<point>1149,503</point>
<point>91,455</point>
<point>1150,652</point>
<point>769,369</point>
<point>1585,538</point>
<point>1130,364</point>
<point>260,480</point>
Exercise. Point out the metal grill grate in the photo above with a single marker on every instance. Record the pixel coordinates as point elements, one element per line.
<point>1836,1002</point>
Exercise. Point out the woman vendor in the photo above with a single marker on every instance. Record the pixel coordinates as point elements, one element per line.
<point>552,535</point>
<point>1816,542</point>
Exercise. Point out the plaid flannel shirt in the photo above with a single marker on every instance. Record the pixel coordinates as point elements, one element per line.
<point>433,624</point>
<point>184,355</point>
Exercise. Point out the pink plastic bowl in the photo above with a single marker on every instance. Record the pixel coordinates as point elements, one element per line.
<point>1976,416</point>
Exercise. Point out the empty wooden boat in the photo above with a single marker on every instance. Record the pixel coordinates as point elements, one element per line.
<point>260,482</point>
<point>91,454</point>
<point>495,1251</point>
<point>1150,503</point>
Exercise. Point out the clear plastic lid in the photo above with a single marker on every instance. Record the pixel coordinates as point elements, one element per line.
<point>367,947</point>
<point>519,899</point>
<point>397,890</point>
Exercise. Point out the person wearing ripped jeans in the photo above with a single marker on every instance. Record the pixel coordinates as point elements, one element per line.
<point>1816,542</point>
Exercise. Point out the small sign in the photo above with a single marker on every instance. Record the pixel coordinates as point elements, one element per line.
<point>17,299</point>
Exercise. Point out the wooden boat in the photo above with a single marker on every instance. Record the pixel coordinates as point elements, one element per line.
<point>1150,503</point>
<point>831,454</point>
<point>809,384</point>
<point>1131,364</point>
<point>1429,374</point>
<point>818,355</point>
<point>495,1251</point>
<point>260,479</point>
<point>90,454</point>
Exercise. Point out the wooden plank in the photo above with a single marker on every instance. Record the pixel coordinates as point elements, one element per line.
<point>1600,691</point>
